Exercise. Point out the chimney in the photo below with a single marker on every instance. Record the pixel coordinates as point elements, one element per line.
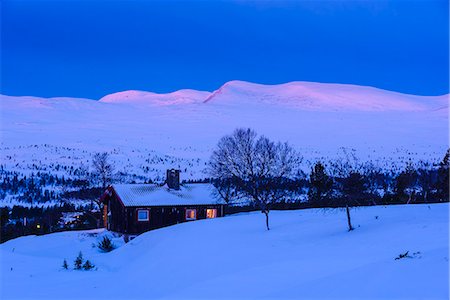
<point>173,179</point>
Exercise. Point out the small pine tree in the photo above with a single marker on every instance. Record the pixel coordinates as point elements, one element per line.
<point>78,261</point>
<point>65,265</point>
<point>106,245</point>
<point>320,186</point>
<point>88,265</point>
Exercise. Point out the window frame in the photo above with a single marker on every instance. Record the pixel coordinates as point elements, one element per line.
<point>186,214</point>
<point>215,213</point>
<point>142,220</point>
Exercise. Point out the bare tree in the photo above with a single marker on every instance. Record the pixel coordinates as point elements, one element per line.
<point>225,189</point>
<point>256,168</point>
<point>103,172</point>
<point>103,169</point>
<point>350,185</point>
<point>353,188</point>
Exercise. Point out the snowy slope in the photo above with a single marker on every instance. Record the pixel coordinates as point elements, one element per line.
<point>299,95</point>
<point>324,97</point>
<point>308,254</point>
<point>141,97</point>
<point>180,129</point>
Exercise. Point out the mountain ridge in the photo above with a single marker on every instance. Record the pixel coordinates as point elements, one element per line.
<point>295,94</point>
<point>301,95</point>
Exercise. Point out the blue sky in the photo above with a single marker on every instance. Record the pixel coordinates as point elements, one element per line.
<point>93,48</point>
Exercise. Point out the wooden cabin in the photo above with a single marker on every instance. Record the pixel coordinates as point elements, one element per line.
<point>135,208</point>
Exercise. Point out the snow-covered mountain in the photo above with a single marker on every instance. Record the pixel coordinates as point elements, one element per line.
<point>318,119</point>
<point>141,97</point>
<point>300,95</point>
<point>323,97</point>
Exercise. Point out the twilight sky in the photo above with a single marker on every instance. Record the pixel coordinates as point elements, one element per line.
<point>93,48</point>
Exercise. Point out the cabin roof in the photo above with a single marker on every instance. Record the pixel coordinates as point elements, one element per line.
<point>154,195</point>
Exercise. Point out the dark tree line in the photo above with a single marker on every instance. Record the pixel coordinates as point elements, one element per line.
<point>39,187</point>
<point>18,220</point>
<point>32,188</point>
<point>349,186</point>
<point>43,187</point>
<point>265,175</point>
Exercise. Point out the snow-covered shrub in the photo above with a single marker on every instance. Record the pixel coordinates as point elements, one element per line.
<point>78,263</point>
<point>88,265</point>
<point>65,265</point>
<point>106,245</point>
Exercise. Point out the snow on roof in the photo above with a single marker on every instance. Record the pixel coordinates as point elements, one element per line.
<point>154,195</point>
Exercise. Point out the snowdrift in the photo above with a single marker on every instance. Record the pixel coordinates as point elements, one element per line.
<point>308,254</point>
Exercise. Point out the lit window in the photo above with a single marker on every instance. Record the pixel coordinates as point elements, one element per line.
<point>143,215</point>
<point>191,214</point>
<point>211,213</point>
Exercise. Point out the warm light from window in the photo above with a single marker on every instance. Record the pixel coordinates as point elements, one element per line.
<point>211,213</point>
<point>191,214</point>
<point>38,226</point>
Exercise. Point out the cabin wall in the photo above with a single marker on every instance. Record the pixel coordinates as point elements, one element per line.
<point>117,215</point>
<point>161,216</point>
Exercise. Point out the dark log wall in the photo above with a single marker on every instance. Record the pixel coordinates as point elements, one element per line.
<point>117,218</point>
<point>161,216</point>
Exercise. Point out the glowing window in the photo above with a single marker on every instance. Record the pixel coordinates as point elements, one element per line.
<point>211,213</point>
<point>191,214</point>
<point>143,215</point>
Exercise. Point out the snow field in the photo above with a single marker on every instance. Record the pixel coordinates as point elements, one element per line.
<point>307,254</point>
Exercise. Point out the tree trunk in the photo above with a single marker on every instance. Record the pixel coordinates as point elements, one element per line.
<point>350,227</point>
<point>266,212</point>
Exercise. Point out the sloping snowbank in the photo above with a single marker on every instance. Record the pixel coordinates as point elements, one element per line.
<point>307,254</point>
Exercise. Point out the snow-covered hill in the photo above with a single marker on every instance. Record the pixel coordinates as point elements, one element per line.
<point>144,130</point>
<point>148,98</point>
<point>323,97</point>
<point>299,95</point>
<point>308,254</point>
